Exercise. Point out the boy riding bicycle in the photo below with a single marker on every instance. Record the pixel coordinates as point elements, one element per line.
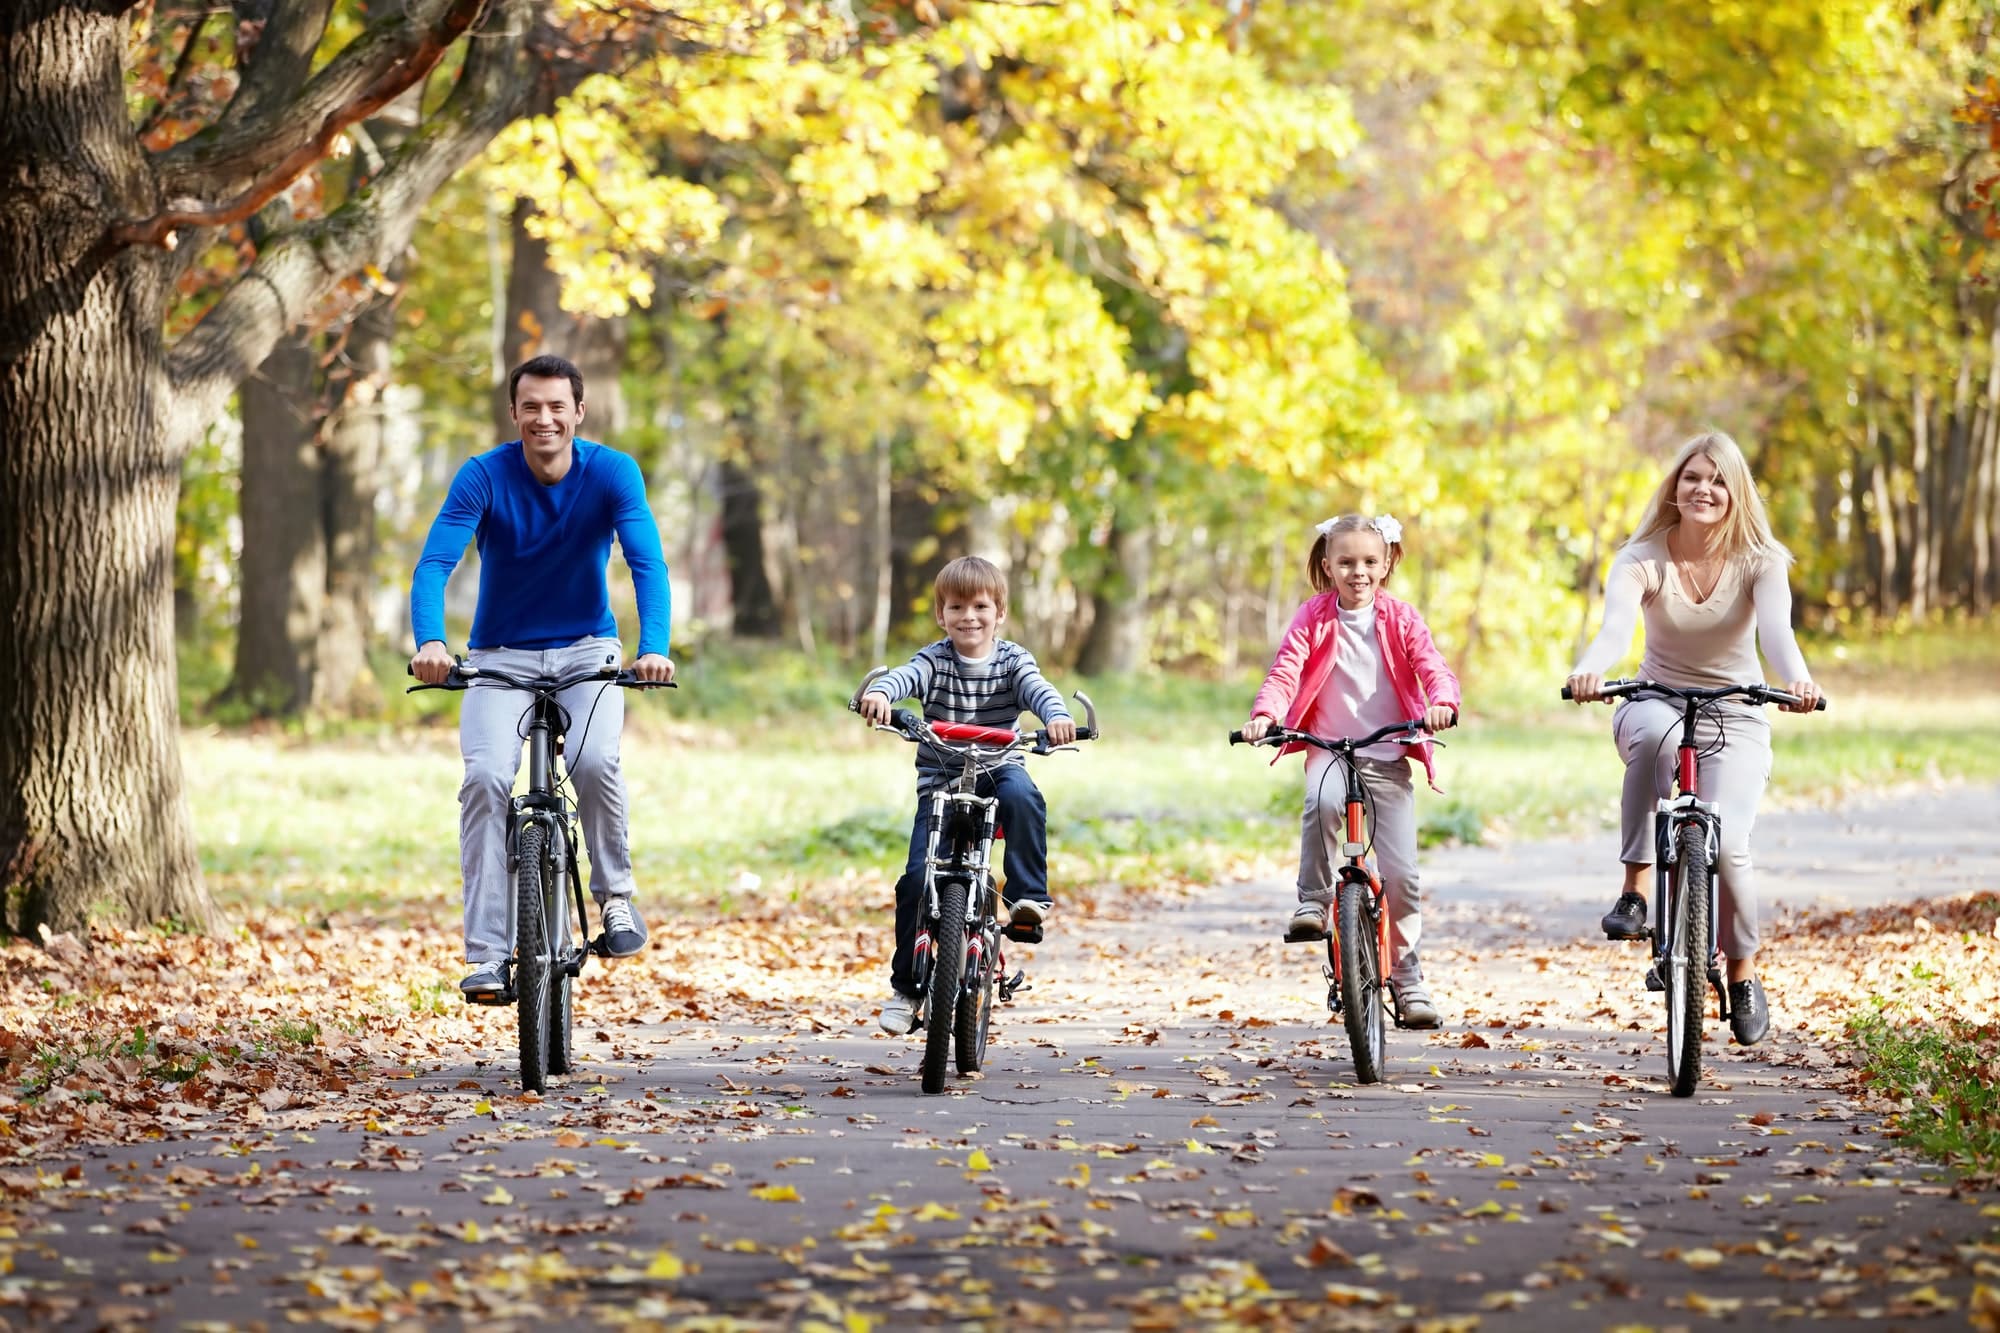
<point>543,510</point>
<point>971,676</point>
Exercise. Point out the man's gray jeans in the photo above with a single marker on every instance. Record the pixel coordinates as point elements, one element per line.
<point>492,726</point>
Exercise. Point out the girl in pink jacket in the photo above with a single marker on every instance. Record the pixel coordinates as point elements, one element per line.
<point>1354,660</point>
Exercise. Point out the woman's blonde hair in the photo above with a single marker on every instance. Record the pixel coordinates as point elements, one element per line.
<point>1316,560</point>
<point>1746,528</point>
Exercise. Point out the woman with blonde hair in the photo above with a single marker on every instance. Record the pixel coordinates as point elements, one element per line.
<point>1710,580</point>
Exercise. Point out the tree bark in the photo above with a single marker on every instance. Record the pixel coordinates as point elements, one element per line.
<point>1117,638</point>
<point>93,818</point>
<point>350,476</point>
<point>536,323</point>
<point>753,607</point>
<point>283,582</point>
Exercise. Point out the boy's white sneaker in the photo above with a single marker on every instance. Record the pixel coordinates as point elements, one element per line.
<point>899,1014</point>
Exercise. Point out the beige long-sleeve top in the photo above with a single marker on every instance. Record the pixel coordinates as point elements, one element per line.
<point>1697,644</point>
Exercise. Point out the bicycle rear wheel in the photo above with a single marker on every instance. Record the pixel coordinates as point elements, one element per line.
<point>1687,958</point>
<point>947,968</point>
<point>1361,980</point>
<point>531,958</point>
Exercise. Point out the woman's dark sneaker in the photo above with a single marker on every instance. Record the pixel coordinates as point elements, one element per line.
<point>1749,1012</point>
<point>1627,918</point>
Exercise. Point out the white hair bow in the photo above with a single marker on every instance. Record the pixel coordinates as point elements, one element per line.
<point>1390,530</point>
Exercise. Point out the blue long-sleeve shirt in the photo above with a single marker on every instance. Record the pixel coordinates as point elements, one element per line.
<point>543,551</point>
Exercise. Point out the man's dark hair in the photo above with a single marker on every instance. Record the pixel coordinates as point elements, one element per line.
<point>545,368</point>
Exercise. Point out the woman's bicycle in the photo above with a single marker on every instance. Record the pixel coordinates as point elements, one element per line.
<point>550,944</point>
<point>1687,837</point>
<point>1358,939</point>
<point>959,963</point>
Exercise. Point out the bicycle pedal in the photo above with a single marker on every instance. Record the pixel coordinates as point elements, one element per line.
<point>1014,985</point>
<point>492,998</point>
<point>599,947</point>
<point>1653,981</point>
<point>1023,934</point>
<point>1295,937</point>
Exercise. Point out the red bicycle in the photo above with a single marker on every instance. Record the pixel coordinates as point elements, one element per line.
<point>1359,938</point>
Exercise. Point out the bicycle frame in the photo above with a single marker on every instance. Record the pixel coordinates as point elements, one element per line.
<point>1355,868</point>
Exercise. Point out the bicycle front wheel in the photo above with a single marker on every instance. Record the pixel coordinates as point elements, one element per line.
<point>562,1001</point>
<point>947,969</point>
<point>1361,980</point>
<point>1687,958</point>
<point>531,958</point>
<point>975,1011</point>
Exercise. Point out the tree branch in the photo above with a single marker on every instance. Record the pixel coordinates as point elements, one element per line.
<point>182,64</point>
<point>279,61</point>
<point>374,226</point>
<point>264,153</point>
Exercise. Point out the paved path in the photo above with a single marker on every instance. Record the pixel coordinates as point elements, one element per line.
<point>1168,1132</point>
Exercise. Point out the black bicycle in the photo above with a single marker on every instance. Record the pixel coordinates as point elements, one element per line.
<point>549,943</point>
<point>1687,838</point>
<point>959,962</point>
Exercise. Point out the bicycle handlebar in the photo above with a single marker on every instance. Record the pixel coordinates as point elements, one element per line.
<point>914,728</point>
<point>463,677</point>
<point>1288,735</point>
<point>1757,693</point>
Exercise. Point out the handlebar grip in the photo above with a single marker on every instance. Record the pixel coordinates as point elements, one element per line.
<point>1086,733</point>
<point>1819,705</point>
<point>1566,692</point>
<point>1236,738</point>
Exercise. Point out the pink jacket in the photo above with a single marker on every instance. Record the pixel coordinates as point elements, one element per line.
<point>1305,660</point>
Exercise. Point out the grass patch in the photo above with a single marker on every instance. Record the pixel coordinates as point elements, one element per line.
<point>1946,1076</point>
<point>755,777</point>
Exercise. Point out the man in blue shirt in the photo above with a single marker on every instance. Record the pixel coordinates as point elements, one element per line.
<point>543,510</point>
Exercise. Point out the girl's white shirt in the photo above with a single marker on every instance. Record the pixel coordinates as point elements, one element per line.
<point>1358,696</point>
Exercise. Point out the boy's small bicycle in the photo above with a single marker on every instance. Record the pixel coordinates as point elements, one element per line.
<point>1687,837</point>
<point>959,963</point>
<point>1358,940</point>
<point>550,943</point>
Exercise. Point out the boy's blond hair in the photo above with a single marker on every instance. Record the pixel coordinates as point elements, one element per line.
<point>966,577</point>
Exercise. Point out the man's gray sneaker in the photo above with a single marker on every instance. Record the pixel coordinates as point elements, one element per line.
<point>484,979</point>
<point>624,928</point>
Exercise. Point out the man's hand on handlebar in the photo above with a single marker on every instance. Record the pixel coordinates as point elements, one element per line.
<point>1586,687</point>
<point>875,708</point>
<point>655,668</point>
<point>1257,728</point>
<point>432,664</point>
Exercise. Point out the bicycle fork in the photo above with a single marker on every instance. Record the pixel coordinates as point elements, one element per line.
<point>1669,818</point>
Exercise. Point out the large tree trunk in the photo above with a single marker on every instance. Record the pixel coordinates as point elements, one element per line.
<point>350,476</point>
<point>536,323</point>
<point>93,819</point>
<point>283,584</point>
<point>1117,638</point>
<point>753,606</point>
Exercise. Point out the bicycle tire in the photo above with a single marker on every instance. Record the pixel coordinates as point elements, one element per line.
<point>975,1015</point>
<point>562,999</point>
<point>947,967</point>
<point>531,961</point>
<point>1687,959</point>
<point>1361,981</point>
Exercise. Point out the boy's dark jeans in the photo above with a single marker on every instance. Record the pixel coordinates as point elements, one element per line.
<point>1023,817</point>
